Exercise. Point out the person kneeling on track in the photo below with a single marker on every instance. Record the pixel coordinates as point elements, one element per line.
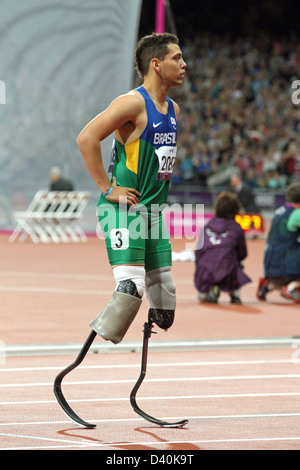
<point>282,252</point>
<point>220,249</point>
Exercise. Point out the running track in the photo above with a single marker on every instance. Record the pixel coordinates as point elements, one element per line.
<point>233,371</point>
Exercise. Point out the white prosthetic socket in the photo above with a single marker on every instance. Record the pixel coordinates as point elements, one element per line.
<point>161,294</point>
<point>113,321</point>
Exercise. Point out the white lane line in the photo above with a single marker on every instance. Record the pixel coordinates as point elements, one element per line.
<point>21,436</point>
<point>165,379</point>
<point>43,275</point>
<point>54,290</point>
<point>125,420</point>
<point>119,445</point>
<point>166,364</point>
<point>64,291</point>
<point>88,277</point>
<point>181,296</point>
<point>176,397</point>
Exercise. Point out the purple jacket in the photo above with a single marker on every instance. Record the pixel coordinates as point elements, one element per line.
<point>218,261</point>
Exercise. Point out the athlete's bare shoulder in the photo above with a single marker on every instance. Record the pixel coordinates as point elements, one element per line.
<point>132,101</point>
<point>132,106</point>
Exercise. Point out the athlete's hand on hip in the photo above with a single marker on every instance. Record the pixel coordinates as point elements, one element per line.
<point>123,195</point>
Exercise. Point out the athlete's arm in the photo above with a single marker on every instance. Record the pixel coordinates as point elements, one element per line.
<point>294,221</point>
<point>122,113</point>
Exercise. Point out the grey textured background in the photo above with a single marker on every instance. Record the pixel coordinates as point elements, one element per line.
<point>61,63</point>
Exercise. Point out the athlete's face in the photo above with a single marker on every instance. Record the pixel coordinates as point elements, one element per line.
<point>173,66</point>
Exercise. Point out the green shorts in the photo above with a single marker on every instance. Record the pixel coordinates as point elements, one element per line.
<point>134,236</point>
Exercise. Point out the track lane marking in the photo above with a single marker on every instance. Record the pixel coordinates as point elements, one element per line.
<point>158,380</point>
<point>123,445</point>
<point>205,417</point>
<point>167,364</point>
<point>178,397</point>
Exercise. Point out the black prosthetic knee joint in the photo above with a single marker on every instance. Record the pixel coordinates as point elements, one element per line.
<point>128,287</point>
<point>162,318</point>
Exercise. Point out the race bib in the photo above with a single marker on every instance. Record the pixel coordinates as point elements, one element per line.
<point>166,158</point>
<point>119,239</point>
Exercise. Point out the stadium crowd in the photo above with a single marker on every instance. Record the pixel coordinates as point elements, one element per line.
<point>237,112</point>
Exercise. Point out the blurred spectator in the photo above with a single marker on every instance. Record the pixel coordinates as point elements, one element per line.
<point>291,162</point>
<point>244,193</point>
<point>251,178</point>
<point>57,182</point>
<point>274,180</point>
<point>237,105</point>
<point>282,253</point>
<point>218,261</point>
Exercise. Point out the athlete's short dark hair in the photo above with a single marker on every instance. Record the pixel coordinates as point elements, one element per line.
<point>293,193</point>
<point>227,205</point>
<point>154,45</point>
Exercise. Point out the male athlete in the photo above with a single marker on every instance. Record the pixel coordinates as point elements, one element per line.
<point>144,125</point>
<point>144,122</point>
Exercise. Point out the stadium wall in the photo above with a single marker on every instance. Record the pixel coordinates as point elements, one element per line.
<point>61,63</point>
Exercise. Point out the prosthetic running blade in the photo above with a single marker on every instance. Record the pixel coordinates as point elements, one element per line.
<point>68,410</point>
<point>76,419</point>
<point>179,424</point>
<point>57,384</point>
<point>165,424</point>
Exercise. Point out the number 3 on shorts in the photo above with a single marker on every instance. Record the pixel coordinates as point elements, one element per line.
<point>119,238</point>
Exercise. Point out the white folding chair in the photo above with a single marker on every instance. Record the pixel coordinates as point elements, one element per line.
<point>26,220</point>
<point>70,217</point>
<point>51,218</point>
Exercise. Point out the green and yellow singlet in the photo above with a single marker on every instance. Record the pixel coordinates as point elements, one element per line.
<point>146,165</point>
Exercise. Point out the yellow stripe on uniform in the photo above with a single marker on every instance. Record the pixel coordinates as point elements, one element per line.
<point>132,155</point>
